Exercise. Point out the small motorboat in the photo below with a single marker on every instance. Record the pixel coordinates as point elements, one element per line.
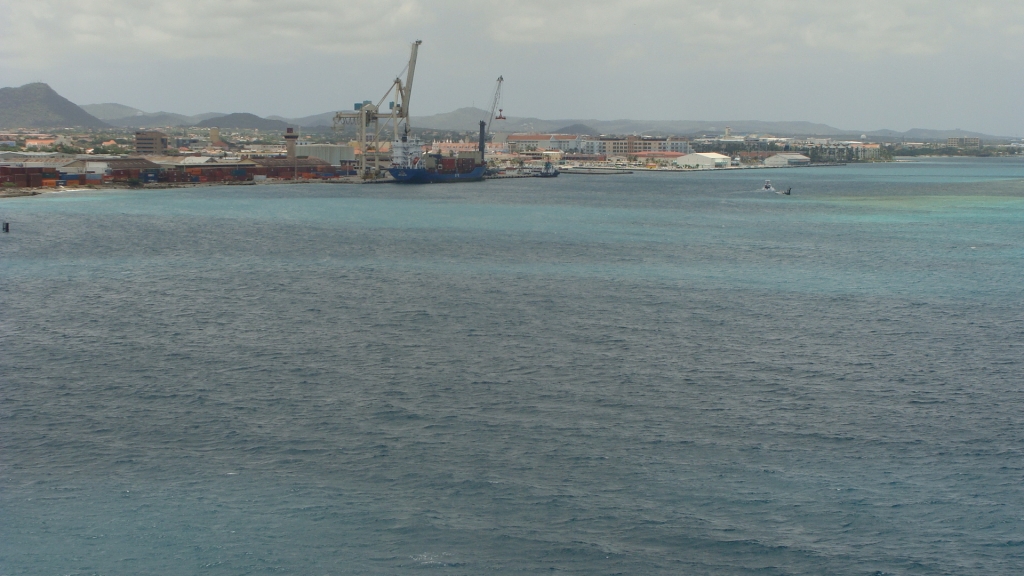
<point>768,186</point>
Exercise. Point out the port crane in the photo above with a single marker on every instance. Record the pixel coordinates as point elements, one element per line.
<point>368,114</point>
<point>495,103</point>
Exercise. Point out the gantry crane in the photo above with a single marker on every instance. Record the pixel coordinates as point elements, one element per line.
<point>368,113</point>
<point>495,103</point>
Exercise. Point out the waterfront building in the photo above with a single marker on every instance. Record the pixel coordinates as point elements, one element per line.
<point>787,159</point>
<point>563,142</point>
<point>703,160</point>
<point>449,147</point>
<point>632,145</point>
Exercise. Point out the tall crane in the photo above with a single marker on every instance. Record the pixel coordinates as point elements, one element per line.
<point>368,114</point>
<point>406,91</point>
<point>494,104</point>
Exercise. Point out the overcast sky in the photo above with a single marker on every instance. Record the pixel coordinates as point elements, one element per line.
<point>863,65</point>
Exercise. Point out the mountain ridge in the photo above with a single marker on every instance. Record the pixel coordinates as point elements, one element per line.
<point>39,106</point>
<point>36,105</point>
<point>243,121</point>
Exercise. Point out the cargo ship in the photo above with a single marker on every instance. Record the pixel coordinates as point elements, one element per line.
<point>409,165</point>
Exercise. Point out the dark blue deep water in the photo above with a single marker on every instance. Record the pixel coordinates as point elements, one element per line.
<point>648,374</point>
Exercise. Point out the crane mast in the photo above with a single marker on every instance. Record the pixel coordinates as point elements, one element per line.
<point>494,104</point>
<point>407,89</point>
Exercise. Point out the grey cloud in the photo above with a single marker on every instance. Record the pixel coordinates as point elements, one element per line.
<point>866,64</point>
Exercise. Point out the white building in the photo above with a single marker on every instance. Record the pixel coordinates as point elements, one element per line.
<point>703,160</point>
<point>628,145</point>
<point>787,159</point>
<point>563,142</point>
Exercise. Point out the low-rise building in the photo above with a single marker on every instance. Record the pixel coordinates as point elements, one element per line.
<point>787,159</point>
<point>47,142</point>
<point>703,160</point>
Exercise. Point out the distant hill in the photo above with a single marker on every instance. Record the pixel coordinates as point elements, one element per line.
<point>155,120</point>
<point>111,111</point>
<point>926,134</point>
<point>576,129</point>
<point>38,106</point>
<point>163,119</point>
<point>243,120</point>
<point>465,120</point>
<point>461,119</point>
<point>325,119</point>
<point>128,117</point>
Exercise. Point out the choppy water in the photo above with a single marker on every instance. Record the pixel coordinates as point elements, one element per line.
<point>648,374</point>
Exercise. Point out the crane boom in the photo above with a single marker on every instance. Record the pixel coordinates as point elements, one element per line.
<point>407,89</point>
<point>494,103</point>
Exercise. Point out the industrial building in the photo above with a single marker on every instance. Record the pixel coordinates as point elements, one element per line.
<point>787,159</point>
<point>333,154</point>
<point>703,160</point>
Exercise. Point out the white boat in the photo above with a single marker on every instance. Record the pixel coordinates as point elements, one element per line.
<point>768,186</point>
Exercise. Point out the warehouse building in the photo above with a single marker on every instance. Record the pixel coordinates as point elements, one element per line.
<point>787,159</point>
<point>703,160</point>
<point>333,154</point>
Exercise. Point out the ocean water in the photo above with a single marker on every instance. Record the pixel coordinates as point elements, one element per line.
<point>646,374</point>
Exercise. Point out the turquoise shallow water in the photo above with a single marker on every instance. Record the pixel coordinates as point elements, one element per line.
<point>647,374</point>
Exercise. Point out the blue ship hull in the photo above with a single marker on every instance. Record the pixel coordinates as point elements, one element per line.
<point>424,176</point>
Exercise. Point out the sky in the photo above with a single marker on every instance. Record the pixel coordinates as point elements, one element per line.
<point>863,65</point>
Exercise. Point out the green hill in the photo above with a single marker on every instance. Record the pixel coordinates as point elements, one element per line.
<point>38,106</point>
